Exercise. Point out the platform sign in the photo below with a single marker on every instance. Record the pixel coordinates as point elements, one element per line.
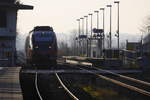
<point>98,30</point>
<point>82,36</point>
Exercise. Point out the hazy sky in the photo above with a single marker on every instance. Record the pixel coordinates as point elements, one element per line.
<point>62,14</point>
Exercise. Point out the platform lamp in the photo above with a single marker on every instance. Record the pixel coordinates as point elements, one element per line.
<point>103,9</point>
<point>79,32</point>
<point>90,49</point>
<point>82,52</point>
<point>87,49</point>
<point>117,2</point>
<point>110,38</point>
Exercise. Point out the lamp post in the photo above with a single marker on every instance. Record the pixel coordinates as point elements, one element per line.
<point>86,24</point>
<point>90,50</point>
<point>78,26</point>
<point>110,38</point>
<point>82,25</point>
<point>82,52</point>
<point>79,31</point>
<point>117,2</point>
<point>103,9</point>
<point>87,35</point>
<point>97,12</point>
<point>108,41</point>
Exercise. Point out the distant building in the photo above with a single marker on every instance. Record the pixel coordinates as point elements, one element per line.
<point>133,46</point>
<point>146,43</point>
<point>95,48</point>
<point>94,52</point>
<point>8,20</point>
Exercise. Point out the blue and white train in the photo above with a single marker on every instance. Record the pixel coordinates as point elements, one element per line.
<point>41,46</point>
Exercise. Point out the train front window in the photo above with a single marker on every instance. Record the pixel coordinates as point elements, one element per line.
<point>43,37</point>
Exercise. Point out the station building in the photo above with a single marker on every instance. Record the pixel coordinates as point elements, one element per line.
<point>8,23</point>
<point>94,51</point>
<point>133,46</point>
<point>146,43</point>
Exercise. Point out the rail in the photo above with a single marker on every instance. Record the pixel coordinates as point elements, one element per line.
<point>125,77</point>
<point>66,89</point>
<point>120,83</point>
<point>36,86</point>
<point>119,75</point>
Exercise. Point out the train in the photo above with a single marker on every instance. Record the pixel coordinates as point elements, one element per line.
<point>41,46</point>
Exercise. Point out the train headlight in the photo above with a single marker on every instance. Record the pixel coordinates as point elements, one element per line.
<point>36,47</point>
<point>50,47</point>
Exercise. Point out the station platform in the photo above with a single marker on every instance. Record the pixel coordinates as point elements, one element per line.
<point>9,84</point>
<point>79,71</point>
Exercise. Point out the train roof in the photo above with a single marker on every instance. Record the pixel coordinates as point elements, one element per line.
<point>43,28</point>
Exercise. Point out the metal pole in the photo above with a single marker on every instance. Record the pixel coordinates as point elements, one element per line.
<point>110,30</point>
<point>108,41</point>
<point>82,26</point>
<point>118,27</point>
<point>87,35</point>
<point>97,19</point>
<point>91,34</point>
<point>82,34</point>
<point>79,36</point>
<point>98,49</point>
<point>83,46</point>
<point>103,9</point>
<point>79,30</point>
<point>118,31</point>
<point>110,27</point>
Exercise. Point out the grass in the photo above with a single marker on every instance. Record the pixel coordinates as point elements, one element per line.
<point>103,93</point>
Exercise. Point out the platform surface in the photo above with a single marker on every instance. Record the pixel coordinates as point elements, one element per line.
<point>9,84</point>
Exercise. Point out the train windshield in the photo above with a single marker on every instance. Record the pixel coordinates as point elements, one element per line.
<point>43,37</point>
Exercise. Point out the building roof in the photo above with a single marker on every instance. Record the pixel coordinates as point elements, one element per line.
<point>15,6</point>
<point>9,1</point>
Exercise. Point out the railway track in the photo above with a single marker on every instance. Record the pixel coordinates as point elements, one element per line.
<point>133,84</point>
<point>37,87</point>
<point>65,88</point>
<point>61,84</point>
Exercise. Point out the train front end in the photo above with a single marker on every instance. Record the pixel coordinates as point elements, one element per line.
<point>44,44</point>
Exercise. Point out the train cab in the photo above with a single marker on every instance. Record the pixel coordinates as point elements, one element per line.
<point>41,46</point>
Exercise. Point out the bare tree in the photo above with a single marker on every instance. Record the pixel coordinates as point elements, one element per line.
<point>123,45</point>
<point>63,50</point>
<point>73,42</point>
<point>70,45</point>
<point>67,44</point>
<point>146,25</point>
